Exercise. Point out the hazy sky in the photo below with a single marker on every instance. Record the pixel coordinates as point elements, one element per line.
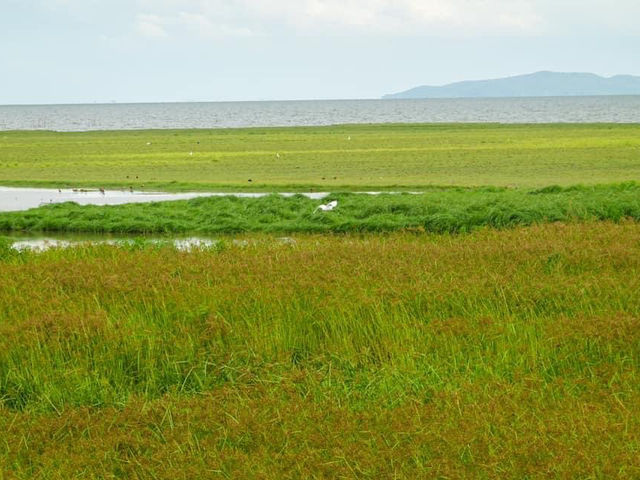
<point>83,51</point>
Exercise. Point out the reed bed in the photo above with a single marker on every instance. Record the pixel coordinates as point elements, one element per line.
<point>494,354</point>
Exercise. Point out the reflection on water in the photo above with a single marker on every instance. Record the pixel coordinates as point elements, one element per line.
<point>16,199</point>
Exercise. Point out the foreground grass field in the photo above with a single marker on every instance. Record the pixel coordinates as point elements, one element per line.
<point>438,210</point>
<point>326,158</point>
<point>495,354</point>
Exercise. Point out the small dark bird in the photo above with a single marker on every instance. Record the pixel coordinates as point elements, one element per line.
<point>102,190</point>
<point>249,180</point>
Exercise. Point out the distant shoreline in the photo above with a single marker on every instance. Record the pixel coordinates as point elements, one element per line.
<point>539,84</point>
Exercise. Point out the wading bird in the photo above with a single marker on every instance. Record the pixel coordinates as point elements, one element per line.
<point>327,207</point>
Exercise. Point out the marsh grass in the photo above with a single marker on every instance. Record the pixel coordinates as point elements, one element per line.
<point>506,354</point>
<point>440,210</point>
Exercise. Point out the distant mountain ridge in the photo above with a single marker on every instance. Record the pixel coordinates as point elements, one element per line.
<point>539,84</point>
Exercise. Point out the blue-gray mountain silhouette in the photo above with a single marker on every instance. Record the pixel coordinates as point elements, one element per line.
<point>540,84</point>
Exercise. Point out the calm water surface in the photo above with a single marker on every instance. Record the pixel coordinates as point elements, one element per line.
<point>16,199</point>
<point>617,109</point>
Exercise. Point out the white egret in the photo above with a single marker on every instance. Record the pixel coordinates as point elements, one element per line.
<point>327,207</point>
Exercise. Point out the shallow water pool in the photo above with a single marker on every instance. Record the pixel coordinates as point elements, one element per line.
<point>43,242</point>
<point>17,199</point>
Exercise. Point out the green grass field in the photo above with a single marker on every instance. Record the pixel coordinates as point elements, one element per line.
<point>326,158</point>
<point>488,327</point>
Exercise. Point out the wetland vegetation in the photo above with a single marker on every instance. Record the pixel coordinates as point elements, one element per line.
<point>488,327</point>
<point>494,354</point>
<point>439,210</point>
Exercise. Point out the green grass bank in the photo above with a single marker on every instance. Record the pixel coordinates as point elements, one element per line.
<point>438,210</point>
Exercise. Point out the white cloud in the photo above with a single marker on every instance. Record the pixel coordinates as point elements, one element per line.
<point>419,16</point>
<point>151,26</point>
<point>211,18</point>
<point>394,17</point>
<point>205,27</point>
<point>370,16</point>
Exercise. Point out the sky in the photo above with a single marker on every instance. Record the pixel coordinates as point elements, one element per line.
<point>86,51</point>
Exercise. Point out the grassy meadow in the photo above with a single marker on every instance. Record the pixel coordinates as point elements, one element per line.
<point>487,327</point>
<point>495,354</point>
<point>352,157</point>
